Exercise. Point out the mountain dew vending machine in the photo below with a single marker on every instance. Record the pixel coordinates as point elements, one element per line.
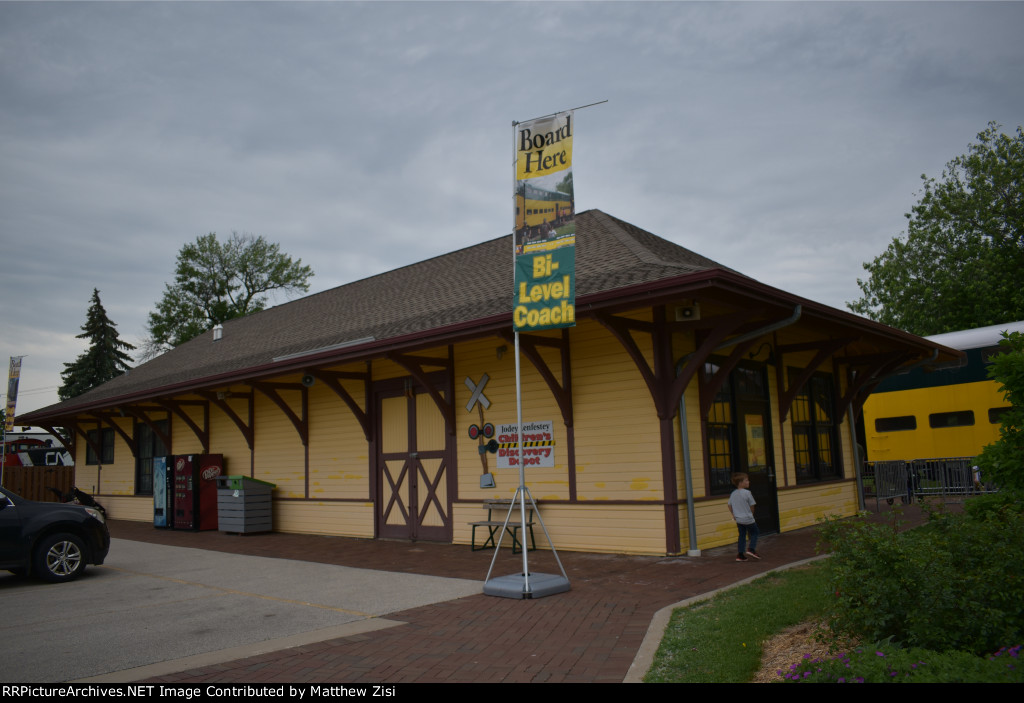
<point>195,490</point>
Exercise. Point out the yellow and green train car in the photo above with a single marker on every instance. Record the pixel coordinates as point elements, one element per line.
<point>938,412</point>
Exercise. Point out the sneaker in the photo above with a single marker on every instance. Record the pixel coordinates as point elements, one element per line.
<point>740,557</point>
<point>752,553</point>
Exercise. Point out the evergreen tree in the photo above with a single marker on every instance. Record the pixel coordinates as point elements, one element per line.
<point>103,360</point>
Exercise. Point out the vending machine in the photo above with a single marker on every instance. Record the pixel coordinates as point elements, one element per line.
<point>195,490</point>
<point>163,490</point>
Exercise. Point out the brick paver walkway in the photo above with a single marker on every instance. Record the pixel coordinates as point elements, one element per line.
<point>590,634</point>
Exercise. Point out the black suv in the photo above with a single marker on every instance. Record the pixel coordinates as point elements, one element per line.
<point>53,540</point>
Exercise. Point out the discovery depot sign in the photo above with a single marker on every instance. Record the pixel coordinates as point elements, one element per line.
<point>538,445</point>
<point>545,228</point>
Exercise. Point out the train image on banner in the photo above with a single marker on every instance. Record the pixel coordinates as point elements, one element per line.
<point>934,412</point>
<point>540,213</point>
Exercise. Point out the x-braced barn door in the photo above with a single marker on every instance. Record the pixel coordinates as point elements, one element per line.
<point>413,467</point>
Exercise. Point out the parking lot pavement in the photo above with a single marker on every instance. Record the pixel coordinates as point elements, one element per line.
<point>154,609</point>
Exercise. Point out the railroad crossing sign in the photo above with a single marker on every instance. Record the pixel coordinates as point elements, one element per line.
<point>478,393</point>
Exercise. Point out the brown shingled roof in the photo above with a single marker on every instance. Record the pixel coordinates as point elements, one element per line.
<point>458,288</point>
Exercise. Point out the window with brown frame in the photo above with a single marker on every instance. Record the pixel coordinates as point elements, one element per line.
<point>815,436</point>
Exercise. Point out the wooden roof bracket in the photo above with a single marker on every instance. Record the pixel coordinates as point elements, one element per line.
<point>825,348</point>
<point>562,391</point>
<point>414,365</point>
<point>271,390</point>
<point>67,442</point>
<point>877,368</point>
<point>140,414</point>
<point>332,379</point>
<point>246,428</point>
<point>109,419</point>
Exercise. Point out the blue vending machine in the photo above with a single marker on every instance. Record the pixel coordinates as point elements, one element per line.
<point>163,497</point>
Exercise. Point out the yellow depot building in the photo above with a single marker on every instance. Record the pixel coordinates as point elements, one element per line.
<point>358,402</point>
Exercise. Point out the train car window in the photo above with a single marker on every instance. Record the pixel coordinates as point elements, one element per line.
<point>995,415</point>
<point>988,352</point>
<point>957,418</point>
<point>896,424</point>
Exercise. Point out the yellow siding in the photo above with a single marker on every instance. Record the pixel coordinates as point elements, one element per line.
<point>319,518</point>
<point>138,508</point>
<point>715,526</point>
<point>339,462</point>
<point>473,360</point>
<point>635,529</point>
<point>804,506</point>
<point>183,439</point>
<point>117,478</point>
<point>227,439</point>
<point>618,445</point>
<point>279,454</point>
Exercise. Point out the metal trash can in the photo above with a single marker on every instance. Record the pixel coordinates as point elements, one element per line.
<point>244,504</point>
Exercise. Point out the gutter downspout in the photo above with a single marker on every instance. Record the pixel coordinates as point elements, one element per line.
<point>691,519</point>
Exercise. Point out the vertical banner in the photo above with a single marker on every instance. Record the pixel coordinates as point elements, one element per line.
<point>545,230</point>
<point>12,392</point>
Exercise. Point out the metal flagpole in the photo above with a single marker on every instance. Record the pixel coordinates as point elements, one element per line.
<point>519,585</point>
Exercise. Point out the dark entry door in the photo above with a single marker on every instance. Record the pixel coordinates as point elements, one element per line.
<point>413,467</point>
<point>757,463</point>
<point>756,458</point>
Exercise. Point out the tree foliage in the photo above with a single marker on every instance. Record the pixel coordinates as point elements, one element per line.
<point>961,263</point>
<point>217,281</point>
<point>1003,461</point>
<point>103,360</point>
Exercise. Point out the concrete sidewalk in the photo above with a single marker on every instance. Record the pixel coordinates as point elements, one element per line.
<point>590,634</point>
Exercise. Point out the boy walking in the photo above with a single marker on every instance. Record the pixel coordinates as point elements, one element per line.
<point>741,505</point>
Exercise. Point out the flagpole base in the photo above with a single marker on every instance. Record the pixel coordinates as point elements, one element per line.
<point>514,586</point>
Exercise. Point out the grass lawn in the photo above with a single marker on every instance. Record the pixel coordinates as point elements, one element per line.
<point>719,640</point>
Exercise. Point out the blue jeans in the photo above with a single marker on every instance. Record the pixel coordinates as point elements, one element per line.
<point>745,530</point>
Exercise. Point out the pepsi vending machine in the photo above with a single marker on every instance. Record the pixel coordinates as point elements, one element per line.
<point>195,490</point>
<point>163,490</point>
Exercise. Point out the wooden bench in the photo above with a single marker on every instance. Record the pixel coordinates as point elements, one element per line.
<point>494,525</point>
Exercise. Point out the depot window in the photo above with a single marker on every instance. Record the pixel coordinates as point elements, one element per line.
<point>105,440</point>
<point>815,439</point>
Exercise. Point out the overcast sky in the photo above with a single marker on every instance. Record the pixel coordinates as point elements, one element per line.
<point>785,140</point>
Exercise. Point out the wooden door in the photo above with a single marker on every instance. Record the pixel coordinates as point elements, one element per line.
<point>413,467</point>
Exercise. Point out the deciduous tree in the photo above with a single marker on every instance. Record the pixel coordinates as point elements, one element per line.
<point>216,281</point>
<point>103,360</point>
<point>961,262</point>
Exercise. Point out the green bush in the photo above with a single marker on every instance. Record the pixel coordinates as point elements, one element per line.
<point>887,663</point>
<point>1003,461</point>
<point>956,583</point>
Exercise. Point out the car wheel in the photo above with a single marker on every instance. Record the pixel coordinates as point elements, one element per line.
<point>60,557</point>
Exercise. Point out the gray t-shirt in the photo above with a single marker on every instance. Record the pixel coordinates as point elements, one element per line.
<point>740,502</point>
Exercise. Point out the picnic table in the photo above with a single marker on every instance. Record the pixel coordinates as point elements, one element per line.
<point>494,525</point>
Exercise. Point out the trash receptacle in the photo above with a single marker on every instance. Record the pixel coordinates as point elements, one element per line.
<point>244,504</point>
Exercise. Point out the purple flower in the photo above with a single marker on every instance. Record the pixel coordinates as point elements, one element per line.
<point>860,679</point>
<point>880,654</point>
<point>841,680</point>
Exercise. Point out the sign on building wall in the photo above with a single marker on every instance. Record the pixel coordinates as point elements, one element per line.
<point>545,228</point>
<point>538,445</point>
